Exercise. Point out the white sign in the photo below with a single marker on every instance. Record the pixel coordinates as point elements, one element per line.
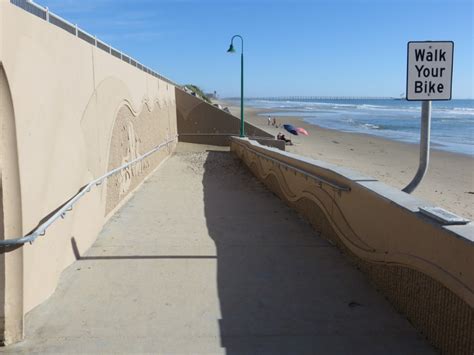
<point>429,70</point>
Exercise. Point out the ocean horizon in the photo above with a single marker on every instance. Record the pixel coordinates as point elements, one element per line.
<point>452,124</point>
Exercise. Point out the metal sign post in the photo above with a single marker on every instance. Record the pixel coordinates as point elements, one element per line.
<point>425,132</point>
<point>429,77</point>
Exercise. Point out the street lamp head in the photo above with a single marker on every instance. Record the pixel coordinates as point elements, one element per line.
<point>231,49</point>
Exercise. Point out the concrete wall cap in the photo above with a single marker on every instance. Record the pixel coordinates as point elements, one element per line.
<point>396,196</point>
<point>465,231</point>
<point>342,171</point>
<point>389,193</point>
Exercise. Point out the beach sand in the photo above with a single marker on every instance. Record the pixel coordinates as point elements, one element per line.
<point>449,182</point>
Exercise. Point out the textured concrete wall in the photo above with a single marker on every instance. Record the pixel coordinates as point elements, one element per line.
<point>69,113</point>
<point>424,268</point>
<point>11,263</point>
<point>202,123</point>
<point>133,135</point>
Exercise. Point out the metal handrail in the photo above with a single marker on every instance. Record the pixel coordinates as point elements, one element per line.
<point>41,229</point>
<point>22,4</point>
<point>302,172</point>
<point>225,134</point>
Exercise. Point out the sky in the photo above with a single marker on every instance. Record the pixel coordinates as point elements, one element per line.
<point>291,47</point>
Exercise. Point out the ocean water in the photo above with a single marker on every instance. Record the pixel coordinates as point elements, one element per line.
<point>452,123</point>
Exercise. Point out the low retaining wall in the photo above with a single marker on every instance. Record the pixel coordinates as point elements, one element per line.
<point>424,268</point>
<point>202,123</point>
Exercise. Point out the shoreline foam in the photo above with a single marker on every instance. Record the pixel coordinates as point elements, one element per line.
<point>448,183</point>
<point>452,127</point>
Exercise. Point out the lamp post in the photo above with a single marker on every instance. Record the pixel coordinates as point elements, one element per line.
<point>232,50</point>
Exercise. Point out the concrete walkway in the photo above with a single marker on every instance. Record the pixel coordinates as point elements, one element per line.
<point>203,259</point>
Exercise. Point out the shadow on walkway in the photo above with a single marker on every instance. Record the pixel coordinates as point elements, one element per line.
<point>282,289</point>
<point>149,283</point>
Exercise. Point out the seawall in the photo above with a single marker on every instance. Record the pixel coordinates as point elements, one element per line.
<point>69,113</point>
<point>201,123</point>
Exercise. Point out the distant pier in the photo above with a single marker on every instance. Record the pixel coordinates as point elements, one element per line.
<point>312,98</point>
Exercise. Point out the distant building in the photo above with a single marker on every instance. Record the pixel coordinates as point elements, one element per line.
<point>212,95</point>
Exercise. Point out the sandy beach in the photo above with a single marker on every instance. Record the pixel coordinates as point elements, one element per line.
<point>449,182</point>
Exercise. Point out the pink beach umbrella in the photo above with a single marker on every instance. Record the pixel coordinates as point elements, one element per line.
<point>302,131</point>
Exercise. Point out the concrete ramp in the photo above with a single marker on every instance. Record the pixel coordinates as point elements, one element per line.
<point>205,260</point>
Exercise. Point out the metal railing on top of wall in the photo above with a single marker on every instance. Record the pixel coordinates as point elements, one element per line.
<point>319,179</point>
<point>45,14</point>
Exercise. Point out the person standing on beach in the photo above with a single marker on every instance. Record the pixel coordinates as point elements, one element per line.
<point>269,120</point>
